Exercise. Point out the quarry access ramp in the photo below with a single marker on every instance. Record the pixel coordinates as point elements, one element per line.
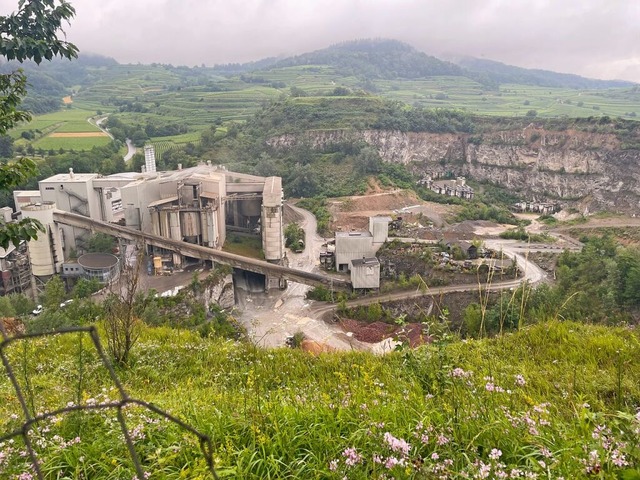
<point>201,252</point>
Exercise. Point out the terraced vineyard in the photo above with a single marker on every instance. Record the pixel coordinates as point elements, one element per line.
<point>196,98</point>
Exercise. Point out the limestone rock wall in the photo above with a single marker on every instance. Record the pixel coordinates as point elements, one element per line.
<point>589,169</point>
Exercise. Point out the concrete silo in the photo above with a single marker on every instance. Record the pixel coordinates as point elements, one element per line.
<point>45,252</point>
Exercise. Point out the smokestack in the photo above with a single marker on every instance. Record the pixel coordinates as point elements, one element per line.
<point>71,173</point>
<point>150,158</point>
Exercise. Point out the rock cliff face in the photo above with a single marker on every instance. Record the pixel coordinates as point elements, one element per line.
<point>589,170</point>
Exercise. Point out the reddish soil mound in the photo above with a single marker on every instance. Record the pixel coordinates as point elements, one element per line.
<point>377,331</point>
<point>12,326</point>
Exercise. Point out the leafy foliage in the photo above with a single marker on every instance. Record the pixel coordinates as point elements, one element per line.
<point>294,237</point>
<point>318,206</point>
<point>30,33</point>
<point>481,211</point>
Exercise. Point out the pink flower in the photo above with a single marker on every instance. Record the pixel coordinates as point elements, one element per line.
<point>397,444</point>
<point>352,457</point>
<point>495,454</point>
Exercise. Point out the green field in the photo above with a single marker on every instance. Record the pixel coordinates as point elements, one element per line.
<point>67,120</point>
<point>66,143</point>
<point>198,98</point>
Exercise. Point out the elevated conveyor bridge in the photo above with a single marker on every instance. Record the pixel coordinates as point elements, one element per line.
<point>201,252</point>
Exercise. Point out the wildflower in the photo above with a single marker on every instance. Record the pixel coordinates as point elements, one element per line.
<point>484,470</point>
<point>460,373</point>
<point>392,462</point>
<point>397,444</point>
<point>137,433</point>
<point>520,381</point>
<point>435,456</point>
<point>545,452</point>
<point>442,440</point>
<point>618,459</point>
<point>495,454</point>
<point>352,457</point>
<point>25,476</point>
<point>333,465</point>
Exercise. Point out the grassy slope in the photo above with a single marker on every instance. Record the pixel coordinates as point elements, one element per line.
<point>284,414</point>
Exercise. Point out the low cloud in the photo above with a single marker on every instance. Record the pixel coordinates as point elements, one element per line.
<point>595,38</point>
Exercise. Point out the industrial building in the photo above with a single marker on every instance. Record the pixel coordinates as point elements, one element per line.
<point>103,267</point>
<point>15,271</point>
<point>45,253</point>
<point>365,273</point>
<point>452,188</point>
<point>356,245</point>
<point>197,205</point>
<point>87,194</point>
<point>200,204</point>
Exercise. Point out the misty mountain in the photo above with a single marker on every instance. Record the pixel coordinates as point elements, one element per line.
<point>503,73</point>
<point>375,59</point>
<point>391,59</point>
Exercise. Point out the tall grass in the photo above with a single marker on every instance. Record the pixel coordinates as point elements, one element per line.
<point>552,400</point>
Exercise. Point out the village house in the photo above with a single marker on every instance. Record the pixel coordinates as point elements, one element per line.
<point>452,188</point>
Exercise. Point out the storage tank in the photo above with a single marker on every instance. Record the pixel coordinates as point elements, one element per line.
<point>45,253</point>
<point>174,225</point>
<point>190,225</point>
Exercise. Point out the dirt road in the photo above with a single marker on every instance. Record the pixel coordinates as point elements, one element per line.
<point>271,317</point>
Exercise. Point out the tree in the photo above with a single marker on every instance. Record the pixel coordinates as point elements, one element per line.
<point>6,146</point>
<point>31,33</point>
<point>123,309</point>
<point>54,294</point>
<point>101,243</point>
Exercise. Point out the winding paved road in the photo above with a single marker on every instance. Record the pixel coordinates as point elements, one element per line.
<point>98,121</point>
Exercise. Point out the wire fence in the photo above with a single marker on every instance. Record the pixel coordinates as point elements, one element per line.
<point>30,419</point>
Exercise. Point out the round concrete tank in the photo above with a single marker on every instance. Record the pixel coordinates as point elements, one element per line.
<point>249,208</point>
<point>190,224</point>
<point>40,256</point>
<point>104,267</point>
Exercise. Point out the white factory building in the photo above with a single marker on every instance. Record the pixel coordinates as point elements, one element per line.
<point>197,205</point>
<point>361,244</point>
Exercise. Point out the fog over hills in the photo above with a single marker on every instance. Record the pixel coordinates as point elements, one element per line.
<point>592,38</point>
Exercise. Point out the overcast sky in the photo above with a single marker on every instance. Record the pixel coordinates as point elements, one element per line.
<point>594,38</point>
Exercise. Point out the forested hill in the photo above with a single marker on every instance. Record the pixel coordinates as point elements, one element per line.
<point>503,73</point>
<point>391,59</point>
<point>376,59</point>
<point>50,81</point>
